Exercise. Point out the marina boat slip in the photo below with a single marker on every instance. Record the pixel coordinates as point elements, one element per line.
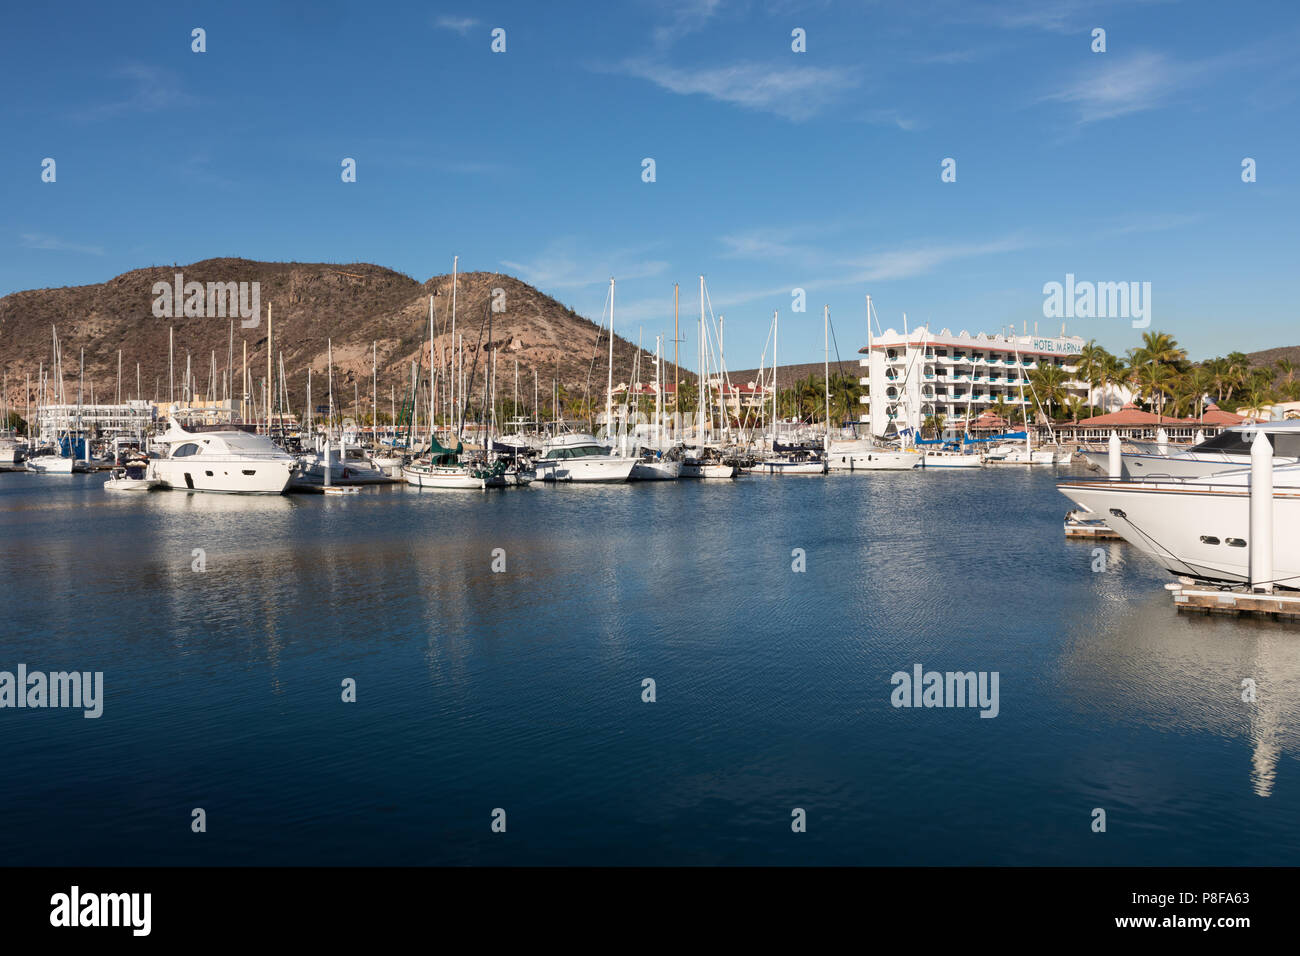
<point>580,457</point>
<point>1227,450</point>
<point>225,460</point>
<point>1200,527</point>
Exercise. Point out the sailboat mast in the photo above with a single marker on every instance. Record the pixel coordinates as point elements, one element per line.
<point>452,385</point>
<point>776,380</point>
<point>826,372</point>
<point>269,378</point>
<point>677,334</point>
<point>700,397</point>
<point>609,386</point>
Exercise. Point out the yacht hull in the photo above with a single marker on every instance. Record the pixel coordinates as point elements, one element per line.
<point>952,461</point>
<point>656,471</point>
<point>702,470</point>
<point>50,465</point>
<point>777,467</point>
<point>595,470</point>
<point>230,476</point>
<point>875,460</point>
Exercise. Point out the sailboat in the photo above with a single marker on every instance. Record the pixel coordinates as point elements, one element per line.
<point>954,453</point>
<point>867,454</point>
<point>60,460</point>
<point>1011,452</point>
<point>654,464</point>
<point>441,466</point>
<point>702,460</point>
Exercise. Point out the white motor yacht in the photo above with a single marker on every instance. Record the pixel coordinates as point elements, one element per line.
<point>581,457</point>
<point>1198,527</point>
<point>1228,449</point>
<point>225,460</point>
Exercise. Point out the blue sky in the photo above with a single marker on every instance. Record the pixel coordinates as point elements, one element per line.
<point>774,169</point>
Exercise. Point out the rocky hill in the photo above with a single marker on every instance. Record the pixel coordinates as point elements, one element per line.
<point>355,306</point>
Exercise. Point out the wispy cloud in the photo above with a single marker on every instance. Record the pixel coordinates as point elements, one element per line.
<point>795,93</point>
<point>1119,87</point>
<point>461,25</point>
<point>36,240</point>
<point>685,17</point>
<point>912,261</point>
<point>561,265</point>
<point>150,89</point>
<point>1157,223</point>
<point>795,251</point>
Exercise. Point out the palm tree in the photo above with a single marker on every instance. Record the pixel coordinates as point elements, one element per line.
<point>1197,383</point>
<point>1048,382</point>
<point>1112,372</point>
<point>1092,364</point>
<point>1238,372</point>
<point>687,398</point>
<point>1257,397</point>
<point>1287,368</point>
<point>933,425</point>
<point>1155,381</point>
<point>1076,408</point>
<point>1160,348</point>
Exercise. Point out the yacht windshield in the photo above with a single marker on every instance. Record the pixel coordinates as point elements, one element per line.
<point>1232,442</point>
<point>578,451</point>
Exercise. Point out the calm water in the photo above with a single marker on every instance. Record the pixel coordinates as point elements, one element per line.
<point>522,690</point>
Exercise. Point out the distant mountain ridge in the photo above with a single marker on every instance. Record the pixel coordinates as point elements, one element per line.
<point>354,305</point>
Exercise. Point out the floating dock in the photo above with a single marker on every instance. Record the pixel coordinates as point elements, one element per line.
<point>1257,604</point>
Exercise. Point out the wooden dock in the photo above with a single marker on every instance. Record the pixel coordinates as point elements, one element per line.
<point>1278,606</point>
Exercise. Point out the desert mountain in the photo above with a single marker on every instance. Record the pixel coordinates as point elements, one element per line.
<point>354,306</point>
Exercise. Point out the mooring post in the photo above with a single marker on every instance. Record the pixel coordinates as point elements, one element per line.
<point>1261,514</point>
<point>1115,460</point>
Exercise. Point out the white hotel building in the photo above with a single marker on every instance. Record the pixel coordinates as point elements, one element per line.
<point>911,376</point>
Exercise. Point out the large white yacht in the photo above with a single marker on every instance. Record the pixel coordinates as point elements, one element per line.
<point>1226,450</point>
<point>226,460</point>
<point>578,456</point>
<point>1198,527</point>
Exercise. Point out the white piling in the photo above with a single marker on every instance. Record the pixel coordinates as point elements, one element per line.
<point>1162,441</point>
<point>1115,460</point>
<point>1200,436</point>
<point>328,463</point>
<point>1261,514</point>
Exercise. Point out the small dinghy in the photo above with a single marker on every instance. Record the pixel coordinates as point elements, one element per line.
<point>131,477</point>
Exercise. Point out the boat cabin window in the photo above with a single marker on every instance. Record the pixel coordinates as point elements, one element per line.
<point>189,448</point>
<point>1285,444</point>
<point>579,451</point>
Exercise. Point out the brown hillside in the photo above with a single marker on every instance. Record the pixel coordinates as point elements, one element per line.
<point>354,305</point>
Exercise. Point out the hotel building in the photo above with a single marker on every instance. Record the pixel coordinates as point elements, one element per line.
<point>911,376</point>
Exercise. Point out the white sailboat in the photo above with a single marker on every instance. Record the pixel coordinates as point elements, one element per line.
<point>866,454</point>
